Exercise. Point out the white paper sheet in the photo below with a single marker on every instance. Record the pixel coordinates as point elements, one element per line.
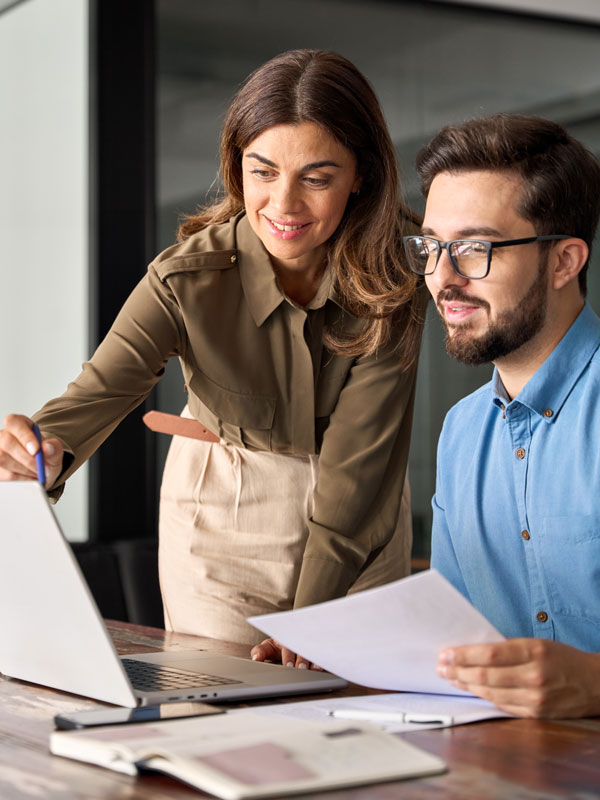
<point>461,709</point>
<point>386,638</point>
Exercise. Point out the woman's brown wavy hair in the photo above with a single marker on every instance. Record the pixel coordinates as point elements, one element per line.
<point>365,253</point>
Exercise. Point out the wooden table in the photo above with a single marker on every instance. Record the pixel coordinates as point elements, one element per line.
<point>516,759</point>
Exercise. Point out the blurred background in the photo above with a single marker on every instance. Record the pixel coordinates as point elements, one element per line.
<point>111,113</point>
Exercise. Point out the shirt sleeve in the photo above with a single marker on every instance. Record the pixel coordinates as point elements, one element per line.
<point>118,377</point>
<point>443,555</point>
<point>362,465</point>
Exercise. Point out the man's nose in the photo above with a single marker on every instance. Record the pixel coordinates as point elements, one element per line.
<point>444,274</point>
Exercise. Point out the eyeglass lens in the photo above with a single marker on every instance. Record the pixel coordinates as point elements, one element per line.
<point>469,257</point>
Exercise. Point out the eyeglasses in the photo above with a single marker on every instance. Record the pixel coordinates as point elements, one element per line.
<point>470,258</point>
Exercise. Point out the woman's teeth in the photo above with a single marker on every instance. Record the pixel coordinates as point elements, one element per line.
<point>281,227</point>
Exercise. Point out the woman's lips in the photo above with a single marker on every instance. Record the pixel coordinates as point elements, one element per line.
<point>286,229</point>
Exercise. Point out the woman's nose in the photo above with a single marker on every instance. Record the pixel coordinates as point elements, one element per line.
<point>286,196</point>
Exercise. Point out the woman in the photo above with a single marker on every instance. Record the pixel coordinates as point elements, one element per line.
<point>297,327</point>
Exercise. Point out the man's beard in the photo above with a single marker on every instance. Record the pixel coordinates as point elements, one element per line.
<point>511,330</point>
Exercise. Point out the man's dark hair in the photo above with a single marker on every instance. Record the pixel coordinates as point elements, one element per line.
<point>561,178</point>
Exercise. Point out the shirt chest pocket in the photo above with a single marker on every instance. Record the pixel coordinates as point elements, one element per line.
<point>234,411</point>
<point>569,548</point>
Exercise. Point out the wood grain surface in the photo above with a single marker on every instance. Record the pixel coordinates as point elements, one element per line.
<point>517,759</point>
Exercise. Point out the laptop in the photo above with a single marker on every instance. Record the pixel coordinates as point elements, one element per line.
<point>51,632</point>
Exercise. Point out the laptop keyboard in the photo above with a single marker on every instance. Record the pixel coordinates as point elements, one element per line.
<point>148,677</point>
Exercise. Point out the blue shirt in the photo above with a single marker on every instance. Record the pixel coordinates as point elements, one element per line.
<point>516,523</point>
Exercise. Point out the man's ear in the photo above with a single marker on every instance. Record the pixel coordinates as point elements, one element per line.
<point>567,259</point>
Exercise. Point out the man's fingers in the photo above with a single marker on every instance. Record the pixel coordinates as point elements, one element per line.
<point>521,702</point>
<point>511,652</point>
<point>498,677</point>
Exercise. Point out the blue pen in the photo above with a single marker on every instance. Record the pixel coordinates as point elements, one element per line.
<point>39,457</point>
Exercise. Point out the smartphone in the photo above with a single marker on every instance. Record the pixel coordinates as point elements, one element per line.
<point>119,716</point>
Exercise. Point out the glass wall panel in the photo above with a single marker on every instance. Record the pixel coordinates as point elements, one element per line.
<point>429,65</point>
<point>44,97</point>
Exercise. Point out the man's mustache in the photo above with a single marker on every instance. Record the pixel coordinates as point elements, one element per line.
<point>447,295</point>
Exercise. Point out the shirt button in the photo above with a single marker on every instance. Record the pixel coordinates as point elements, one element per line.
<point>525,535</point>
<point>548,412</point>
<point>542,616</point>
<point>520,453</point>
<point>233,258</point>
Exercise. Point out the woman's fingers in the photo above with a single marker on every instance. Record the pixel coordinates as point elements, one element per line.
<point>272,650</point>
<point>267,650</point>
<point>18,446</point>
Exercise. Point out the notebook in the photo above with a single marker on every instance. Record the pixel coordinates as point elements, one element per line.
<point>53,634</point>
<point>248,755</point>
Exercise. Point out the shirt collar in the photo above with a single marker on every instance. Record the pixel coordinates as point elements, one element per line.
<point>259,282</point>
<point>546,392</point>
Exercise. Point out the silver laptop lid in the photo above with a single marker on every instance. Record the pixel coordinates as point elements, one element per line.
<point>51,630</point>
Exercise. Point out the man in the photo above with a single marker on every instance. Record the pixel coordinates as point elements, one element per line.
<point>517,505</point>
<point>512,207</point>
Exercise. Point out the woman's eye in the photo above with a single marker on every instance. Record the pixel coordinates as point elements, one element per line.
<point>316,181</point>
<point>261,173</point>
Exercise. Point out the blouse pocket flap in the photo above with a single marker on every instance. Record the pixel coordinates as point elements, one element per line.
<point>237,408</point>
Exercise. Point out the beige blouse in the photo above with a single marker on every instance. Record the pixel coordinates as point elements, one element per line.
<point>256,373</point>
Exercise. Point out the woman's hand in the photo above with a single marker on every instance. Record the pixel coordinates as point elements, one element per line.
<point>18,447</point>
<point>272,650</point>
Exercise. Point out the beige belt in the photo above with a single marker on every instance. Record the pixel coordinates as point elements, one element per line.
<point>160,422</point>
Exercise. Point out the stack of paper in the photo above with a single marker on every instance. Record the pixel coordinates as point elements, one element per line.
<point>386,638</point>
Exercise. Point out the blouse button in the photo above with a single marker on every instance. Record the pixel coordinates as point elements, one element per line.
<point>548,413</point>
<point>525,535</point>
<point>233,258</point>
<point>542,616</point>
<point>520,453</point>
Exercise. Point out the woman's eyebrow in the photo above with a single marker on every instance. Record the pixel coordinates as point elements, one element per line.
<point>305,168</point>
<point>260,158</point>
<point>317,164</point>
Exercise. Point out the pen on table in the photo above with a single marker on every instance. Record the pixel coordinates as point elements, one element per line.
<point>391,716</point>
<point>39,457</point>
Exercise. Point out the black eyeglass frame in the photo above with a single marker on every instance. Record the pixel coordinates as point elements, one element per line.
<point>489,246</point>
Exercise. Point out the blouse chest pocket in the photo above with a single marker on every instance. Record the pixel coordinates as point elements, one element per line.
<point>234,411</point>
<point>569,548</point>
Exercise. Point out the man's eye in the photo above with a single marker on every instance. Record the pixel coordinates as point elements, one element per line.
<point>467,249</point>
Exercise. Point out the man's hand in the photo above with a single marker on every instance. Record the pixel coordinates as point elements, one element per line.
<point>272,650</point>
<point>527,677</point>
<point>18,447</point>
